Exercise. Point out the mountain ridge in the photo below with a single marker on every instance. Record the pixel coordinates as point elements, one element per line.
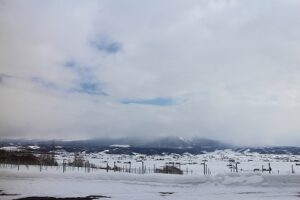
<point>169,144</point>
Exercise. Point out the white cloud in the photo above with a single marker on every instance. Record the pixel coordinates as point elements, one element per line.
<point>232,68</point>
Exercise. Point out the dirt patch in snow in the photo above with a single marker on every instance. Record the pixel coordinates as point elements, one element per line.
<point>250,193</point>
<point>165,193</point>
<point>91,197</point>
<point>2,193</point>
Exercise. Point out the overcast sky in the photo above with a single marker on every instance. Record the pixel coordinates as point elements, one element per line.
<point>225,70</point>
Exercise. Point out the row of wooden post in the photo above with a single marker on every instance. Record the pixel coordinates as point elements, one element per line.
<point>141,170</point>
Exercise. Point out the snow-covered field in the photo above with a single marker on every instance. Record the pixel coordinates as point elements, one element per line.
<point>220,184</point>
<point>217,162</point>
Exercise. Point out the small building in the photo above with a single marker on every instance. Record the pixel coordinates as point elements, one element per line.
<point>169,170</point>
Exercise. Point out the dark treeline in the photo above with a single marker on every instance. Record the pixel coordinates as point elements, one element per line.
<point>26,158</point>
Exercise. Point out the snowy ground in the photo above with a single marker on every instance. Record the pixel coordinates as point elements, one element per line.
<point>221,184</point>
<point>52,182</point>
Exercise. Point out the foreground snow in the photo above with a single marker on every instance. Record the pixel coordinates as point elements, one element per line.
<point>73,183</point>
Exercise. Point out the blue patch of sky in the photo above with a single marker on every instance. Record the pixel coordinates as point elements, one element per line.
<point>70,64</point>
<point>43,82</point>
<point>81,70</point>
<point>159,101</point>
<point>86,82</point>
<point>91,88</point>
<point>106,45</point>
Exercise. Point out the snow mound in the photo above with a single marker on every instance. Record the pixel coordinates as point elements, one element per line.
<point>120,145</point>
<point>34,147</point>
<point>10,148</point>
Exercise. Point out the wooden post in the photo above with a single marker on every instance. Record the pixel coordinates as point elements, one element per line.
<point>203,167</point>
<point>129,166</point>
<point>64,166</point>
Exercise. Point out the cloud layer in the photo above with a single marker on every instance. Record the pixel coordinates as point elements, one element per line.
<point>226,70</point>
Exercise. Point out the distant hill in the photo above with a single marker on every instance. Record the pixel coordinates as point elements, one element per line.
<point>125,145</point>
<point>131,145</point>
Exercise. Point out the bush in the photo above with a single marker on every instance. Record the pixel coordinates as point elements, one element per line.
<point>15,157</point>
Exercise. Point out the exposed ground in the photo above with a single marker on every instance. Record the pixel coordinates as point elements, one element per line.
<point>91,197</point>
